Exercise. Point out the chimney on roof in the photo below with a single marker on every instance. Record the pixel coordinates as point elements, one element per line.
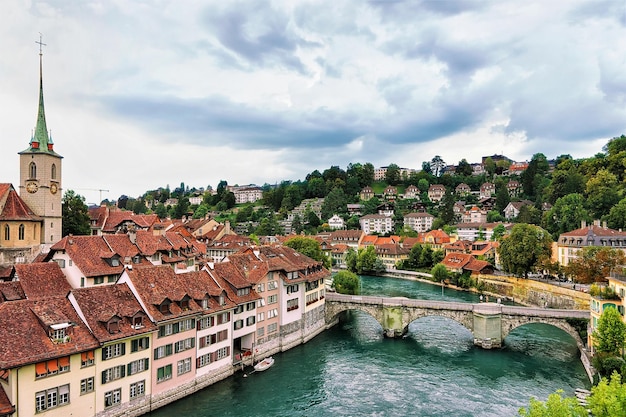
<point>70,239</point>
<point>227,227</point>
<point>604,224</point>
<point>583,224</point>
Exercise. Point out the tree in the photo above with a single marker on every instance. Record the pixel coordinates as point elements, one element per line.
<point>464,168</point>
<point>439,272</point>
<point>392,175</point>
<point>426,168</point>
<point>566,215</point>
<point>610,334</point>
<point>75,214</point>
<point>308,247</point>
<point>490,166</point>
<point>437,166</point>
<point>594,263</point>
<point>201,211</point>
<point>351,259</point>
<point>608,398</point>
<point>555,406</point>
<point>498,232</point>
<point>601,192</point>
<point>617,216</point>
<point>524,248</point>
<point>366,257</point>
<point>335,202</point>
<point>346,282</point>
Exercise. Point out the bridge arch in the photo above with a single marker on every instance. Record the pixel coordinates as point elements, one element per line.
<point>510,323</point>
<point>461,317</point>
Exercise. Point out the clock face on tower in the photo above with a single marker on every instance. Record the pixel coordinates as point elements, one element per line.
<point>32,187</point>
<point>53,188</point>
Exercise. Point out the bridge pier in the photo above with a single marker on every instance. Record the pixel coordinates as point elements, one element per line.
<point>393,324</point>
<point>487,325</point>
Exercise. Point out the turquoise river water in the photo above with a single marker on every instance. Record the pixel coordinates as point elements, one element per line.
<point>352,370</point>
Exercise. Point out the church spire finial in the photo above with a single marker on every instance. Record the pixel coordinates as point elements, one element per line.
<point>41,140</point>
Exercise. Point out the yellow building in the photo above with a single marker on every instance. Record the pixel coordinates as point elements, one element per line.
<point>601,303</point>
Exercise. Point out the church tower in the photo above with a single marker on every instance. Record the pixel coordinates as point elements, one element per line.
<point>40,174</point>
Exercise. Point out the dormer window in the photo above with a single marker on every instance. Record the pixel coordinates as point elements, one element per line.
<point>58,332</point>
<point>115,262</point>
<point>204,303</point>
<point>164,307</point>
<point>184,303</point>
<point>222,300</point>
<point>137,321</point>
<point>113,325</point>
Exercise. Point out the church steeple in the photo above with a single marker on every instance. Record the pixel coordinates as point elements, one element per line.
<point>41,141</point>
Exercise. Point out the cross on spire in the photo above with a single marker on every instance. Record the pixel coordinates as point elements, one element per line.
<point>40,43</point>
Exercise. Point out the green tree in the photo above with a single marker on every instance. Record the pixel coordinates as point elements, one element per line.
<point>566,215</point>
<point>346,282</point>
<point>464,168</point>
<point>490,166</point>
<point>555,406</point>
<point>498,232</point>
<point>308,247</point>
<point>608,398</point>
<point>161,211</point>
<point>392,175</point>
<point>366,258</point>
<point>526,247</point>
<point>351,259</point>
<point>201,211</point>
<point>439,272</point>
<point>75,214</point>
<point>617,216</point>
<point>601,193</point>
<point>335,203</point>
<point>610,334</point>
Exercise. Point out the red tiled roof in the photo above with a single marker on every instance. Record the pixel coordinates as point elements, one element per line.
<point>154,284</point>
<point>42,280</point>
<point>89,253</point>
<point>6,408</point>
<point>99,304</point>
<point>11,291</point>
<point>12,207</point>
<point>24,331</point>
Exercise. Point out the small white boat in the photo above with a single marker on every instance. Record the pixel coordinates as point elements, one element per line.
<point>264,364</point>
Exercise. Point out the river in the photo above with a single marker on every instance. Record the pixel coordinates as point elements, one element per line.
<point>352,370</point>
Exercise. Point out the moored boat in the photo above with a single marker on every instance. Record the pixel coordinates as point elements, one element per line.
<point>264,364</point>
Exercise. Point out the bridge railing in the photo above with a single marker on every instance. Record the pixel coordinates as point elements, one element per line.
<point>457,306</point>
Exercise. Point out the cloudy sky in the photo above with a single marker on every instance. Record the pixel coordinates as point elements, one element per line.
<point>144,94</point>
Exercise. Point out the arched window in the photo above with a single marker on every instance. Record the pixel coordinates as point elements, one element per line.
<point>53,172</point>
<point>7,232</point>
<point>20,232</point>
<point>32,170</point>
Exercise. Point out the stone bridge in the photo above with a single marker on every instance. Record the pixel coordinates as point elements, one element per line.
<point>490,323</point>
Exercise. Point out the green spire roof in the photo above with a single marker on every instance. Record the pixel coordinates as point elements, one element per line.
<point>41,142</point>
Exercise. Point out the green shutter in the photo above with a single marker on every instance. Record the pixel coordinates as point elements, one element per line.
<point>156,353</point>
<point>104,377</point>
<point>193,342</point>
<point>160,373</point>
<point>123,348</point>
<point>134,345</point>
<point>123,370</point>
<point>146,364</point>
<point>129,370</point>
